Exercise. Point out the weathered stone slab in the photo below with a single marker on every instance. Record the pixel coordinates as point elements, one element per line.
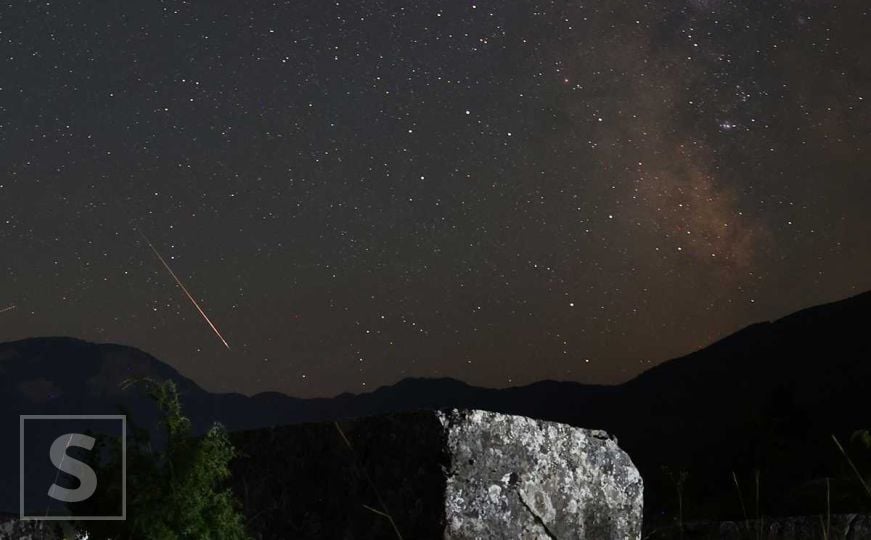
<point>438,475</point>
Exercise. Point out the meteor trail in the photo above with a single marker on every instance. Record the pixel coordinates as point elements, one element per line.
<point>184,289</point>
<point>7,308</point>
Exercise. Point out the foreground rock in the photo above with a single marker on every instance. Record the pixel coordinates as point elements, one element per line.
<point>437,475</point>
<point>11,528</point>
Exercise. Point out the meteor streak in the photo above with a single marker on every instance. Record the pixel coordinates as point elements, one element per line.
<point>7,308</point>
<point>184,289</point>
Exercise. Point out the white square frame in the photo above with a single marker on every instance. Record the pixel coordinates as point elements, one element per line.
<point>24,417</point>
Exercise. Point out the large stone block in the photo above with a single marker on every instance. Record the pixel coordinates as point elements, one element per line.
<point>437,475</point>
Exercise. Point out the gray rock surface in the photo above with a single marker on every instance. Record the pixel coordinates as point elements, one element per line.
<point>514,477</point>
<point>456,474</point>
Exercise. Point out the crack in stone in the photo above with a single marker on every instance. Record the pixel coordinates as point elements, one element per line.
<point>537,518</point>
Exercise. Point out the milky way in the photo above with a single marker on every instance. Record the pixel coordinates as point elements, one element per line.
<point>495,191</point>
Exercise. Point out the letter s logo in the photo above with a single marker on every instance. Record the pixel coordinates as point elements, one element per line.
<point>85,474</point>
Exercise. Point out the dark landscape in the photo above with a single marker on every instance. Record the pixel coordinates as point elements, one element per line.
<point>766,399</point>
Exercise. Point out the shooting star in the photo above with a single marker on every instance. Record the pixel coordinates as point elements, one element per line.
<point>184,289</point>
<point>7,308</point>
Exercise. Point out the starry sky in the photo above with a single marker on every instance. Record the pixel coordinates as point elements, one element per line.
<point>359,192</point>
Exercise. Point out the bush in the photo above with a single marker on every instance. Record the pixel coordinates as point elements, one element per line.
<point>174,493</point>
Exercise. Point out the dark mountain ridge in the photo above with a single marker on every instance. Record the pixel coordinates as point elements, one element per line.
<point>767,397</point>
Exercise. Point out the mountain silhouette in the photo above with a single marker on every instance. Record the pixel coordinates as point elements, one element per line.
<point>766,398</point>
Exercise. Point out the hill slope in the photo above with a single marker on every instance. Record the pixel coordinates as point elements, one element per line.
<point>765,398</point>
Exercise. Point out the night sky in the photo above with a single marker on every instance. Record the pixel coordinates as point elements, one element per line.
<point>497,191</point>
